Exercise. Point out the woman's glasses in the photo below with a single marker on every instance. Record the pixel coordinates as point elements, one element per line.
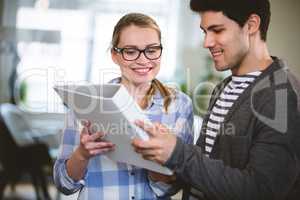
<point>131,54</point>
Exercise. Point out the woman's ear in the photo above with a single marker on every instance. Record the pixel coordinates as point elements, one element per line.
<point>253,23</point>
<point>114,56</point>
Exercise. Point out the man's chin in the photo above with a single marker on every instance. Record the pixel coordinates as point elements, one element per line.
<point>221,68</point>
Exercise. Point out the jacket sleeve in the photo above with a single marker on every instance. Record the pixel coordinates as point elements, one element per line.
<point>184,130</point>
<point>270,172</point>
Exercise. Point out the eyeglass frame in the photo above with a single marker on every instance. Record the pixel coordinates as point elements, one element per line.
<point>120,50</point>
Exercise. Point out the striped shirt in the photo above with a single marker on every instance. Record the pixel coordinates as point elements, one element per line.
<point>229,95</point>
<point>106,179</point>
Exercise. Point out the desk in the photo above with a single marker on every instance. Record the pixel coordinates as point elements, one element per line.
<point>48,126</point>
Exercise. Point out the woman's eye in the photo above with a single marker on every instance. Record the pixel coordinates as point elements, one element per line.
<point>130,52</point>
<point>152,50</point>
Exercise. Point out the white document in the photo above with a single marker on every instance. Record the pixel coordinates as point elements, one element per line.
<point>112,110</point>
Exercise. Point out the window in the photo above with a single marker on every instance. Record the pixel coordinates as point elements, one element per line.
<point>71,46</point>
<point>44,63</point>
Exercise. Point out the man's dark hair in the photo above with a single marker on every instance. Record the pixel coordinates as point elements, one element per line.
<point>238,10</point>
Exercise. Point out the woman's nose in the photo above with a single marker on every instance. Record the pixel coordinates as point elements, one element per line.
<point>142,58</point>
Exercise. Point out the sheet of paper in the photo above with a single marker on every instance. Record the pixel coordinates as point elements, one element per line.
<point>112,110</point>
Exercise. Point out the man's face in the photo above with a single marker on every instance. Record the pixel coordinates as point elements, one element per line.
<point>227,42</point>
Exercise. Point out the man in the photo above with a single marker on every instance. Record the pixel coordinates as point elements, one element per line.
<point>248,143</point>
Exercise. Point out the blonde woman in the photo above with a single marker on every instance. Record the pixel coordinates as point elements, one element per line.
<point>82,164</point>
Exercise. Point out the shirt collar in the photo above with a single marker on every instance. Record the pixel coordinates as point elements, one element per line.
<point>156,99</point>
<point>115,80</point>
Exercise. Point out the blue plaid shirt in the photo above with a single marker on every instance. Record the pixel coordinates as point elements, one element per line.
<point>108,180</point>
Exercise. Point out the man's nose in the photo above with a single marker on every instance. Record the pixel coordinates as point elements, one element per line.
<point>209,41</point>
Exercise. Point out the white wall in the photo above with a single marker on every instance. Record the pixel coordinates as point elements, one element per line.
<point>284,32</point>
<point>283,38</point>
<point>190,53</point>
<point>7,24</point>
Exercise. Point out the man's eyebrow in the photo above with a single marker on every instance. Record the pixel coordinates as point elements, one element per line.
<point>212,27</point>
<point>202,28</point>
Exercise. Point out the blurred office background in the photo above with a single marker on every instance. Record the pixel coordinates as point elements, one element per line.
<point>48,42</point>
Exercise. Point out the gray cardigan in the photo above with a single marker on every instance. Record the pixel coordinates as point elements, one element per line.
<point>256,153</point>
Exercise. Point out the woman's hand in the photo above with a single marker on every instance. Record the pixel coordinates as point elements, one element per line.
<point>92,144</point>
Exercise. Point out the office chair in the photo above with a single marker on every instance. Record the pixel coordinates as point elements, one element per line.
<point>17,160</point>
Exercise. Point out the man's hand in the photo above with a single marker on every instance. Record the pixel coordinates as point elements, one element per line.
<point>160,145</point>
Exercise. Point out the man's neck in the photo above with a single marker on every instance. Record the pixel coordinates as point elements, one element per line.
<point>258,59</point>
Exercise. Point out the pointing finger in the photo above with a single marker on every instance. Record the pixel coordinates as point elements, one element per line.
<point>141,144</point>
<point>150,129</point>
<point>86,126</point>
<point>97,135</point>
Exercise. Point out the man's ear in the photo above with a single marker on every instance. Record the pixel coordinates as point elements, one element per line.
<point>253,23</point>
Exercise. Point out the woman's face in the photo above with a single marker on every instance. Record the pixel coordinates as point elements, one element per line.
<point>142,70</point>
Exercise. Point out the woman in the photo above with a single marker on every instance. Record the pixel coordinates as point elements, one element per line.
<point>82,165</point>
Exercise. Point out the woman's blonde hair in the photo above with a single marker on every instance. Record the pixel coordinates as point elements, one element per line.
<point>143,21</point>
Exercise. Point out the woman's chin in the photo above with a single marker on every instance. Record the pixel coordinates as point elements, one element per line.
<point>137,80</point>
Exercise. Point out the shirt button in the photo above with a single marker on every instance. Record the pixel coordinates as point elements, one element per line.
<point>132,197</point>
<point>132,173</point>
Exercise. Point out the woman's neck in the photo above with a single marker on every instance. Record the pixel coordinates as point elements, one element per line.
<point>137,91</point>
